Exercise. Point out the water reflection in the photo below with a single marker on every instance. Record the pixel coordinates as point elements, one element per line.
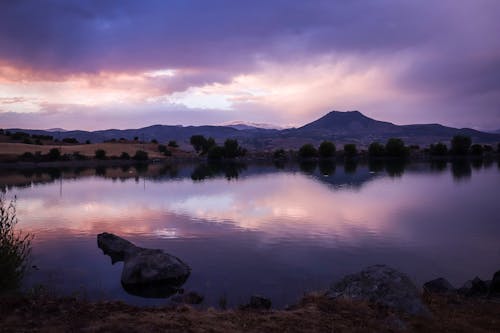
<point>302,225</point>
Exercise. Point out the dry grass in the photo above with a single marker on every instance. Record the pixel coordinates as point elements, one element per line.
<point>313,314</point>
<point>112,149</point>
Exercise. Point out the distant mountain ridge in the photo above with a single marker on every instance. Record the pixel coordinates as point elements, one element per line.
<point>248,125</point>
<point>337,126</point>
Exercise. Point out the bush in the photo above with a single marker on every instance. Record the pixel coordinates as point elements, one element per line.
<point>307,151</point>
<point>376,149</point>
<point>438,149</point>
<point>162,148</point>
<point>460,144</point>
<point>141,155</point>
<point>100,154</point>
<point>476,150</point>
<point>350,150</point>
<point>27,156</point>
<point>27,141</point>
<point>124,156</point>
<point>54,154</point>
<point>173,144</point>
<point>167,153</point>
<point>154,141</point>
<point>326,149</point>
<point>15,248</point>
<point>78,156</point>
<point>396,148</point>
<point>87,142</point>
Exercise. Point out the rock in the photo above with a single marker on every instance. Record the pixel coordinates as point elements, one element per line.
<point>258,303</point>
<point>382,285</point>
<point>474,288</point>
<point>191,297</point>
<point>494,290</point>
<point>439,285</point>
<point>116,247</point>
<point>146,272</point>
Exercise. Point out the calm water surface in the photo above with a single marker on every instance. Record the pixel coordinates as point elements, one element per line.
<point>258,229</point>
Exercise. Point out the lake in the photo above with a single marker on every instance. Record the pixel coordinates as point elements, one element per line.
<point>274,230</point>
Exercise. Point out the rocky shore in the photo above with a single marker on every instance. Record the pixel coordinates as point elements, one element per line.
<point>376,299</point>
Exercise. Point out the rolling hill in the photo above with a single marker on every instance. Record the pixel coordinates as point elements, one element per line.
<point>337,126</point>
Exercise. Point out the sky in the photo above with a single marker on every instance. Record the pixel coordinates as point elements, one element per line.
<point>128,64</point>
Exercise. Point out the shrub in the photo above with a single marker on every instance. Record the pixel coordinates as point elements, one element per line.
<point>350,150</point>
<point>460,144</point>
<point>87,142</point>
<point>438,149</point>
<point>54,154</point>
<point>326,149</point>
<point>140,155</point>
<point>100,154</point>
<point>173,144</point>
<point>154,141</point>
<point>308,151</point>
<point>27,141</point>
<point>15,248</point>
<point>376,149</point>
<point>78,156</point>
<point>125,156</point>
<point>162,148</point>
<point>167,153</point>
<point>27,156</point>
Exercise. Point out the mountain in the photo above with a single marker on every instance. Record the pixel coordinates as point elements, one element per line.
<point>245,125</point>
<point>339,127</point>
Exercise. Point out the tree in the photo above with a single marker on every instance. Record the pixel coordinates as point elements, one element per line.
<point>326,149</point>
<point>154,141</point>
<point>438,149</point>
<point>87,142</point>
<point>232,149</point>
<point>100,154</point>
<point>198,142</point>
<point>141,155</point>
<point>476,150</point>
<point>215,153</point>
<point>173,144</point>
<point>70,140</point>
<point>201,144</point>
<point>395,147</point>
<point>279,154</point>
<point>54,154</point>
<point>308,151</point>
<point>460,144</point>
<point>350,150</point>
<point>376,149</point>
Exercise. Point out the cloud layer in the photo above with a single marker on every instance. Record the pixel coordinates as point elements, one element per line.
<point>287,62</point>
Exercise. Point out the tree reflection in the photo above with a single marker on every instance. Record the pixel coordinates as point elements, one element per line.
<point>230,170</point>
<point>350,166</point>
<point>327,167</point>
<point>461,169</point>
<point>308,167</point>
<point>395,168</point>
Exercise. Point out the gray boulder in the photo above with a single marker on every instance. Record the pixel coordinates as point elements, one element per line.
<point>146,272</point>
<point>439,286</point>
<point>382,285</point>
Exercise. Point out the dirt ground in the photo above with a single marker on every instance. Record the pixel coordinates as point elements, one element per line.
<point>312,314</point>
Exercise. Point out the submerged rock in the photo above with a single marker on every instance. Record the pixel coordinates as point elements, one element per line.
<point>382,285</point>
<point>146,272</point>
<point>439,285</point>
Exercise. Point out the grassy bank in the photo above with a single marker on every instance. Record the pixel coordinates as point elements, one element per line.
<point>313,314</point>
